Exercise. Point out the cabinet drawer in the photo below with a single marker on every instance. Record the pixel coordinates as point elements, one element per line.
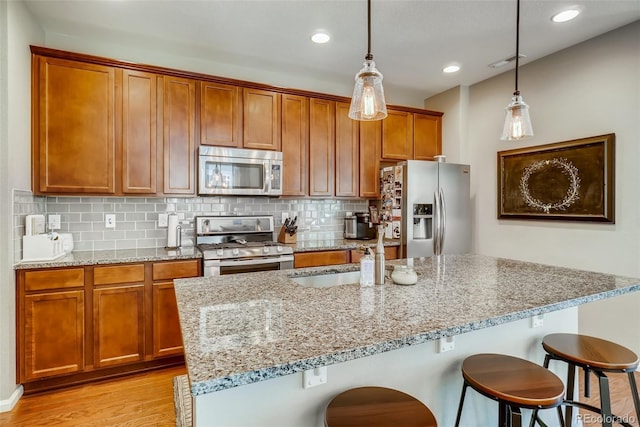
<point>319,258</point>
<point>53,279</point>
<point>176,269</point>
<point>118,274</point>
<point>390,252</point>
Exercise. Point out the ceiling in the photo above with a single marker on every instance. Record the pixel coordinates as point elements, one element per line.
<point>411,40</point>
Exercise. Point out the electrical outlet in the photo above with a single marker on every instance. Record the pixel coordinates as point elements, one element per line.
<point>446,344</point>
<point>54,222</point>
<point>537,321</point>
<point>163,220</point>
<point>110,220</point>
<point>314,377</point>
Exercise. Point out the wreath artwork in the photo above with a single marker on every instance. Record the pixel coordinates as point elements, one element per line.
<point>567,168</point>
<point>566,181</point>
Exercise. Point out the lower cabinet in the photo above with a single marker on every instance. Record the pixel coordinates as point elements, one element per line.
<point>335,257</point>
<point>90,322</point>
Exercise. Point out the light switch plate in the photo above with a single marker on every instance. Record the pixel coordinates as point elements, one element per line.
<point>54,222</point>
<point>163,220</point>
<point>110,220</point>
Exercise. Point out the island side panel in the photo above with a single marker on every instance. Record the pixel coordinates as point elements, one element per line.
<point>420,370</point>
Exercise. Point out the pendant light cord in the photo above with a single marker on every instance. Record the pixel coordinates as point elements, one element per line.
<point>517,92</point>
<point>369,56</point>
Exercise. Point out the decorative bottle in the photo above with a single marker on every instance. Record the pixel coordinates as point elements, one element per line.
<point>367,265</point>
<point>380,257</point>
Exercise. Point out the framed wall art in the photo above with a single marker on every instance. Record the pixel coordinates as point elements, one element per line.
<point>569,181</point>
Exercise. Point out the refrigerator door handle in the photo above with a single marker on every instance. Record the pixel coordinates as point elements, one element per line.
<point>443,220</point>
<point>436,221</point>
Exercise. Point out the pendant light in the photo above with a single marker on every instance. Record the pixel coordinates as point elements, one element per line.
<point>368,101</point>
<point>517,123</point>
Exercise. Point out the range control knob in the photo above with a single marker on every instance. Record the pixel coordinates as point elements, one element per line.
<point>265,249</point>
<point>235,251</point>
<point>219,252</point>
<point>279,248</point>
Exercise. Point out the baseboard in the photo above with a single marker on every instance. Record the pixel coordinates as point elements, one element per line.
<point>8,404</point>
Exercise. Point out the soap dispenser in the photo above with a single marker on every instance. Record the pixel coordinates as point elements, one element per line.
<point>379,259</point>
<point>367,266</point>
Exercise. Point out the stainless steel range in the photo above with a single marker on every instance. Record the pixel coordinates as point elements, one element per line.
<point>240,244</point>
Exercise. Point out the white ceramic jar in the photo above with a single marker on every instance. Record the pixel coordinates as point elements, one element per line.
<point>404,275</point>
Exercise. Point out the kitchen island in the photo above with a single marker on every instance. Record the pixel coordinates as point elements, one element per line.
<point>249,337</point>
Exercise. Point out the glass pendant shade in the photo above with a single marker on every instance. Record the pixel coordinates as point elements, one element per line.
<point>517,123</point>
<point>368,101</point>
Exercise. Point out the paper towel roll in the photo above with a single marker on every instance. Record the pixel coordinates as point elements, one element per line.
<point>173,231</point>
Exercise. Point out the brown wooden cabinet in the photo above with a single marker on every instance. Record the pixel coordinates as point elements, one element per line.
<point>346,153</point>
<point>178,118</point>
<point>261,116</point>
<point>73,111</point>
<point>320,258</point>
<point>83,323</point>
<point>220,115</point>
<point>321,147</point>
<point>295,145</point>
<point>118,314</point>
<point>167,338</point>
<point>390,252</point>
<point>427,136</point>
<point>370,143</point>
<point>397,135</point>
<point>51,323</point>
<point>139,133</point>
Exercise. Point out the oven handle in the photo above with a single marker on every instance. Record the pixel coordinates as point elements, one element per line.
<point>253,261</point>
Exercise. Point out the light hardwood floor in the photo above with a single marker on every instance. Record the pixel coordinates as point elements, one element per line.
<point>147,400</point>
<point>621,401</point>
<point>139,400</point>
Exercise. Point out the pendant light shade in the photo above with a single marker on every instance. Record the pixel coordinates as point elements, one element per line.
<point>368,101</point>
<point>517,123</point>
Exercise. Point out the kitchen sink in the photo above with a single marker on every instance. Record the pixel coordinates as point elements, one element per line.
<point>328,280</point>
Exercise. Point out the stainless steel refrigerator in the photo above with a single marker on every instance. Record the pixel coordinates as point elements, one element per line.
<point>429,203</point>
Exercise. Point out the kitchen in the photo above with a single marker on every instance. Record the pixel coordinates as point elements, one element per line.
<point>551,84</point>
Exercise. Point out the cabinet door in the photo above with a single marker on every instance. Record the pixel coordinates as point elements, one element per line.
<point>347,134</point>
<point>320,258</point>
<point>295,145</point>
<point>321,147</point>
<point>397,136</point>
<point>370,140</point>
<point>118,325</point>
<point>220,115</point>
<point>139,142</point>
<point>261,115</point>
<point>427,136</point>
<point>179,135</point>
<point>167,337</point>
<point>75,145</point>
<point>53,334</point>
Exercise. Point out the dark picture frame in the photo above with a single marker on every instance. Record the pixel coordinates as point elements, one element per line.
<point>566,181</point>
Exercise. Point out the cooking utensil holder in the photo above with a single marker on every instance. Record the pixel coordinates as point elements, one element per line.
<point>285,237</point>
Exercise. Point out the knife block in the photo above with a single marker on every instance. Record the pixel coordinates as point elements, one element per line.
<point>284,237</point>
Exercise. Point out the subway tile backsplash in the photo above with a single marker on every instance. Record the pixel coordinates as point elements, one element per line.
<point>137,217</point>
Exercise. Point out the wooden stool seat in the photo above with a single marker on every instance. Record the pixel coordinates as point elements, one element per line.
<point>515,383</point>
<point>377,407</point>
<point>597,356</point>
<point>591,352</point>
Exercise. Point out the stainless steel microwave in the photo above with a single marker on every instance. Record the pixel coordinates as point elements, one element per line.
<point>242,172</point>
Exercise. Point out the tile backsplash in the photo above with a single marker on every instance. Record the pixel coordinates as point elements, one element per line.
<point>137,217</point>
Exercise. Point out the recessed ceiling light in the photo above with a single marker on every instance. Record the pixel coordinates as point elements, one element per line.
<point>320,37</point>
<point>451,69</point>
<point>565,15</point>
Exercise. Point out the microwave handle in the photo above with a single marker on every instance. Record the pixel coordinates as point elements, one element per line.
<point>267,177</point>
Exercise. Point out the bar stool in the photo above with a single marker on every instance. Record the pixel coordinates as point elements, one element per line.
<point>377,407</point>
<point>592,355</point>
<point>515,383</point>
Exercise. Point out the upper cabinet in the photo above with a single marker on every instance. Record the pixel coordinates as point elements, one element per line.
<point>321,147</point>
<point>261,115</point>
<point>74,142</point>
<point>179,128</point>
<point>295,145</point>
<point>220,115</point>
<point>397,135</point>
<point>370,143</point>
<point>427,136</point>
<point>347,135</point>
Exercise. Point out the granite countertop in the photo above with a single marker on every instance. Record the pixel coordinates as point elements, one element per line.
<point>113,257</point>
<point>246,328</point>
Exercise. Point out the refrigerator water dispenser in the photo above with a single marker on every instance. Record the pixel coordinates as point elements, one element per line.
<point>422,221</point>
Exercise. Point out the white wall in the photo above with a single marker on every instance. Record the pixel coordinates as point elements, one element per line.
<point>587,90</point>
<point>18,30</point>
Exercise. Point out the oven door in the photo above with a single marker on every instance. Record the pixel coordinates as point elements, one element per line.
<point>231,266</point>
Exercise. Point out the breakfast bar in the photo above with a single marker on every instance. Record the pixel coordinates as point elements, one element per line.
<point>249,338</point>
